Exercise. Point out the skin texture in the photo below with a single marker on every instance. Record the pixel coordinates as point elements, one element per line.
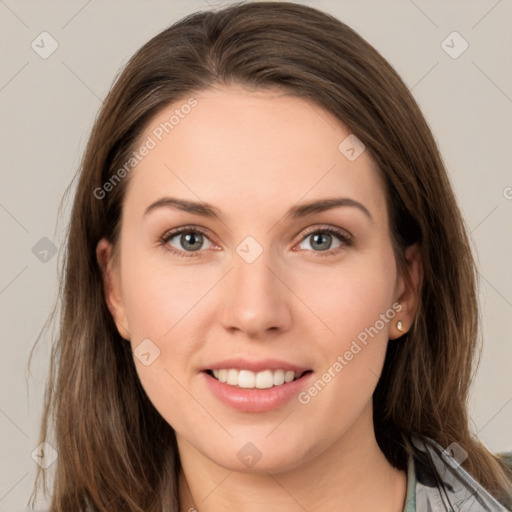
<point>253,155</point>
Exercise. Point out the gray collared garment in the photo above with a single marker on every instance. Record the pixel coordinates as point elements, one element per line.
<point>436,482</point>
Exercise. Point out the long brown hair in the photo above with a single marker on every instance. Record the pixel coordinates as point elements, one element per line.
<point>116,452</point>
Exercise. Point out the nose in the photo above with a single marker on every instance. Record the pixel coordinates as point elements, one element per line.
<point>256,300</point>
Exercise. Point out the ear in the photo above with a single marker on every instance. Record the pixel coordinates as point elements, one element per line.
<point>408,292</point>
<point>112,287</point>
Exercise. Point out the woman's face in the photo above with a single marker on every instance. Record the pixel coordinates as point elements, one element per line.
<point>266,282</point>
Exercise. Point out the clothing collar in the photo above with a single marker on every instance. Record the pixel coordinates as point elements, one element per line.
<point>440,483</point>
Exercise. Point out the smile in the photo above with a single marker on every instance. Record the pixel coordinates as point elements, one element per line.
<point>248,379</point>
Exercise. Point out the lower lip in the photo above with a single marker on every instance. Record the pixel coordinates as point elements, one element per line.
<point>255,400</point>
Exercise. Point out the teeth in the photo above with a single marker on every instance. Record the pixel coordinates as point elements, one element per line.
<point>232,378</point>
<point>278,377</point>
<point>264,380</point>
<point>249,380</point>
<point>246,379</point>
<point>289,376</point>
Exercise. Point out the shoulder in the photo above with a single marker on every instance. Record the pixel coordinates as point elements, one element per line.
<point>443,484</point>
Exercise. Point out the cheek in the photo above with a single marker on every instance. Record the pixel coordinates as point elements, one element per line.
<point>161,295</point>
<point>356,303</point>
<point>351,298</point>
<point>161,303</point>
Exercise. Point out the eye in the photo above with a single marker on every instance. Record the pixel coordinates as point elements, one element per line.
<point>321,240</point>
<point>185,240</point>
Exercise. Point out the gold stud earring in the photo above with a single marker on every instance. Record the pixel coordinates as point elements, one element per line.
<point>400,326</point>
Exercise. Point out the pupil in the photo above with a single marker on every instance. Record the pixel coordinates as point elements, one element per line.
<point>191,239</point>
<point>324,240</point>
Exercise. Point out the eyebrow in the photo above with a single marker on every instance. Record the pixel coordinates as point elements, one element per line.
<point>299,211</point>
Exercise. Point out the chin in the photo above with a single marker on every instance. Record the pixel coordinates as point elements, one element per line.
<point>259,456</point>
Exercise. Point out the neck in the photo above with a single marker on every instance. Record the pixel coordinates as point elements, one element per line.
<point>352,474</point>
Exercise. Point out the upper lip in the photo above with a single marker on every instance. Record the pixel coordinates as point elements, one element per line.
<point>255,365</point>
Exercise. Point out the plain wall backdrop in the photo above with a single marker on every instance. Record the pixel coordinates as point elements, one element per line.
<point>52,85</point>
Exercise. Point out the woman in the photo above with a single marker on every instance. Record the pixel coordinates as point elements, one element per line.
<point>269,296</point>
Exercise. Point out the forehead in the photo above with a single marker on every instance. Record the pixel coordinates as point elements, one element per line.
<point>231,146</point>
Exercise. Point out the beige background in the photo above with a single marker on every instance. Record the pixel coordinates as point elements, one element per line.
<point>48,105</point>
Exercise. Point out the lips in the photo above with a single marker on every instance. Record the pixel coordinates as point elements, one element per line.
<point>255,399</point>
<point>252,385</point>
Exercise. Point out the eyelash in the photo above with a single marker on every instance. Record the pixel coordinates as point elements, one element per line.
<point>164,240</point>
